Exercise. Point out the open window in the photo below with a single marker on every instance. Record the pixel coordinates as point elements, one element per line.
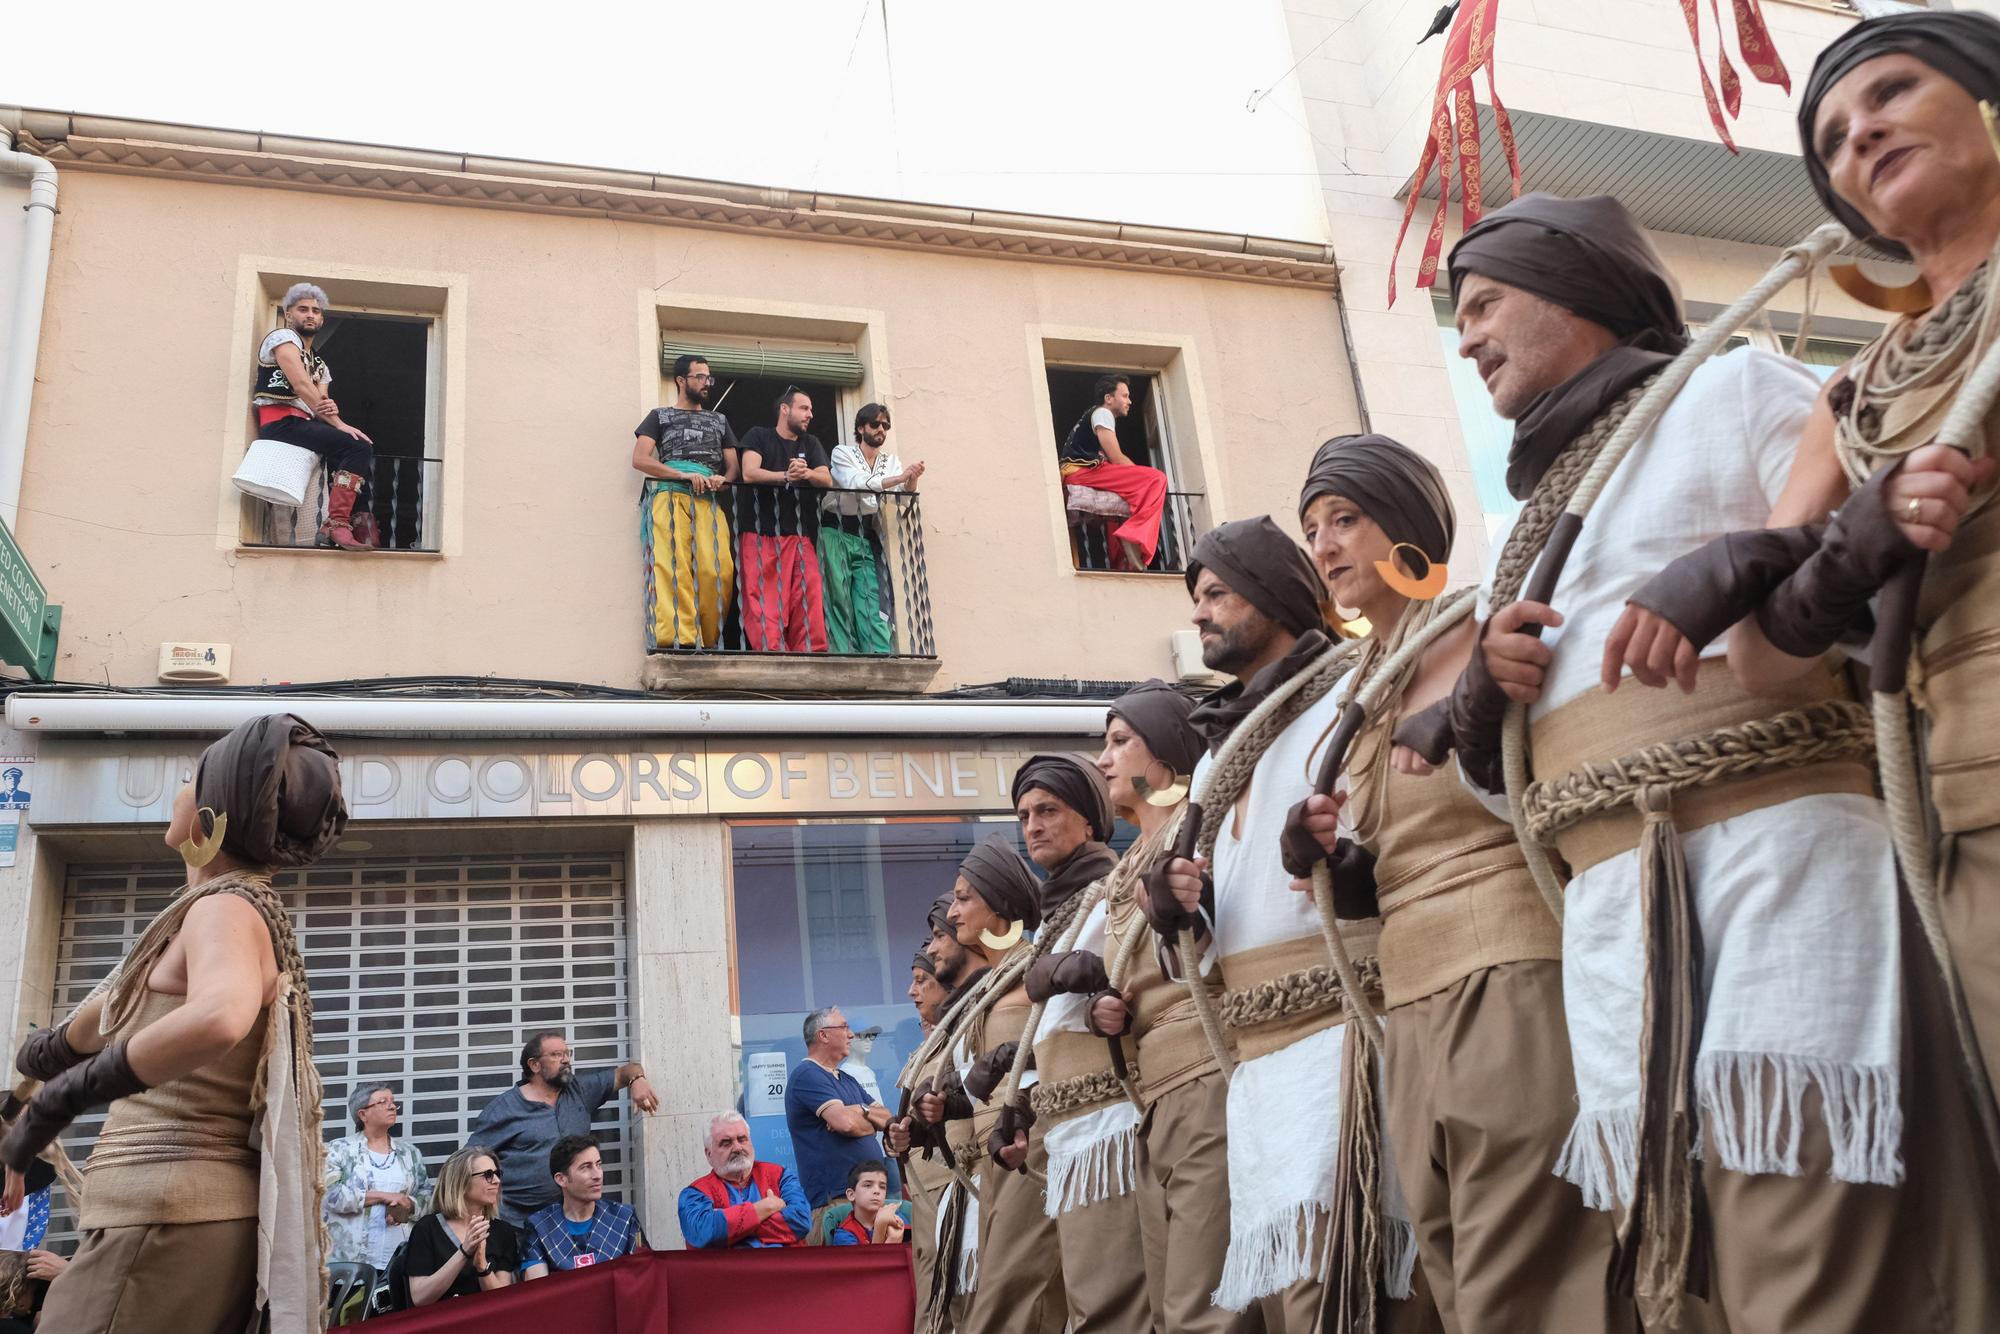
<point>385,365</point>
<point>1145,437</point>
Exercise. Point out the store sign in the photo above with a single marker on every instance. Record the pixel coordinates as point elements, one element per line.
<point>111,782</point>
<point>28,624</point>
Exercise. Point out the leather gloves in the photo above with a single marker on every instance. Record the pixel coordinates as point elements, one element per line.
<point>103,1078</point>
<point>46,1053</point>
<point>1075,971</point>
<point>1714,586</point>
<point>1828,595</point>
<point>1470,724</point>
<point>1353,865</point>
<point>1090,1015</point>
<point>990,1070</point>
<point>1015,1118</point>
<point>1163,912</point>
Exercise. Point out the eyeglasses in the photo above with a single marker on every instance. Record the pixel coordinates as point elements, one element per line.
<point>491,1174</point>
<point>700,379</point>
<point>391,1104</point>
<point>838,1028</point>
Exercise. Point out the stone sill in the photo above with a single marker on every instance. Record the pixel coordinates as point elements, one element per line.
<point>828,672</point>
<point>247,549</point>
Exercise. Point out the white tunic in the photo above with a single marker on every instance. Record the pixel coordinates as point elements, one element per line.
<point>1797,902</point>
<point>1095,1155</point>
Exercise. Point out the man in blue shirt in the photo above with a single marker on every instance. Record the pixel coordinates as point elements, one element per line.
<point>742,1202</point>
<point>832,1119</point>
<point>583,1228</point>
<point>551,1101</point>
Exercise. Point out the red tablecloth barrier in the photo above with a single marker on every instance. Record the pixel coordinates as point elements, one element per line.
<point>824,1289</point>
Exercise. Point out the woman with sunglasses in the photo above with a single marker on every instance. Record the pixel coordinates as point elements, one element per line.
<point>375,1184</point>
<point>465,1247</point>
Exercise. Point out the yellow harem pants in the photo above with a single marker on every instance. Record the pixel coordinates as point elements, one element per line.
<point>693,568</point>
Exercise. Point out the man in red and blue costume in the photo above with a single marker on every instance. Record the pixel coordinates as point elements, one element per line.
<point>742,1202</point>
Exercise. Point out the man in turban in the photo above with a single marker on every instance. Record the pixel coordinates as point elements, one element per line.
<point>1477,1093</point>
<point>1257,608</point>
<point>1685,1026</point>
<point>206,1181</point>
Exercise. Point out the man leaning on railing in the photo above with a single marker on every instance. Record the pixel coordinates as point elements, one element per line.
<point>854,575</point>
<point>689,455</point>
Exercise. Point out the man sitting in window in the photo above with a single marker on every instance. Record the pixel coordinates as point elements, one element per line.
<point>289,393</point>
<point>582,1228</point>
<point>690,455</point>
<point>1091,457</point>
<point>777,520</point>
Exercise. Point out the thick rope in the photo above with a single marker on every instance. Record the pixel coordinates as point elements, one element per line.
<point>1086,899</point>
<point>1629,423</point>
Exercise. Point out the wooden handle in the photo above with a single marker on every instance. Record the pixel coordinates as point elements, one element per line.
<point>1895,621</point>
<point>1548,570</point>
<point>1337,746</point>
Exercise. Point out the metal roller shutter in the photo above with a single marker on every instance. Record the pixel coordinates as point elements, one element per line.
<point>426,973</point>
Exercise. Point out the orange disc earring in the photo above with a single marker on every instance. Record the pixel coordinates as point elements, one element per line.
<point>1417,588</point>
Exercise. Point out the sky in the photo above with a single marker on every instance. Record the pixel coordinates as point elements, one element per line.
<point>1128,110</point>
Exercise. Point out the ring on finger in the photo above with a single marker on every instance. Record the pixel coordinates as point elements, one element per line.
<point>1912,508</point>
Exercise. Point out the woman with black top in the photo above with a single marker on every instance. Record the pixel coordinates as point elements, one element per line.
<point>463,1248</point>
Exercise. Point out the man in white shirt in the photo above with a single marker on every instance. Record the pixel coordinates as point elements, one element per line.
<point>289,392</point>
<point>859,609</point>
<point>1092,457</point>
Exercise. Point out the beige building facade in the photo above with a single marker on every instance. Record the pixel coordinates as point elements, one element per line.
<point>670,857</point>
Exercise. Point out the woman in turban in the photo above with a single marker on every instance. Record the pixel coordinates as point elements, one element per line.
<point>1478,1088</point>
<point>202,1196</point>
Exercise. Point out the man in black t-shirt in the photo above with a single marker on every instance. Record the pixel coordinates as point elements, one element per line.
<point>777,518</point>
<point>687,454</point>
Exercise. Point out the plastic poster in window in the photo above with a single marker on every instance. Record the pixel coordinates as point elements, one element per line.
<point>764,1081</point>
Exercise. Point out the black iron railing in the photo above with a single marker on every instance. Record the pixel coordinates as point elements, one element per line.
<point>784,569</point>
<point>402,498</point>
<point>1093,547</point>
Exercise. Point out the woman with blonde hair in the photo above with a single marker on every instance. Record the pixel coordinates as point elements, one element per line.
<point>464,1246</point>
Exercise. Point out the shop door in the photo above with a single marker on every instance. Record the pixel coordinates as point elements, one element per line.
<point>426,974</point>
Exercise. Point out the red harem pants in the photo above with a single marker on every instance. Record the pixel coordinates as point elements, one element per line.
<point>783,610</point>
<point>1144,489</point>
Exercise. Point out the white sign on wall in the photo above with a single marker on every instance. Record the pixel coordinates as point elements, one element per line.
<point>764,1081</point>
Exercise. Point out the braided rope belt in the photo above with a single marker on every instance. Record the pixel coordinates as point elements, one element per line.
<point>1079,1091</point>
<point>1303,991</point>
<point>966,1158</point>
<point>1838,729</point>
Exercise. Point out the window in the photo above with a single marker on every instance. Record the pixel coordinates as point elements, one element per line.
<point>1488,435</point>
<point>1824,356</point>
<point>385,363</point>
<point>1144,437</point>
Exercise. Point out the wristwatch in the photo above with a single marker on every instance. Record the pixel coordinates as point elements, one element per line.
<point>481,1273</point>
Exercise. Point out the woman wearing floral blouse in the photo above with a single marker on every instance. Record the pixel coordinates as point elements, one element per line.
<point>375,1185</point>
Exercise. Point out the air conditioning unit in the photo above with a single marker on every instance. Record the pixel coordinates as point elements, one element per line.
<point>1188,666</point>
<point>194,664</point>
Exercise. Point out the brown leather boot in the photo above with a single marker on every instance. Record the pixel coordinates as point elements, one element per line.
<point>338,530</point>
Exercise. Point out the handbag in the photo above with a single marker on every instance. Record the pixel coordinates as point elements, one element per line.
<point>277,472</point>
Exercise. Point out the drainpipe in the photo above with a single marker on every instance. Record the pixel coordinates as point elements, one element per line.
<point>24,337</point>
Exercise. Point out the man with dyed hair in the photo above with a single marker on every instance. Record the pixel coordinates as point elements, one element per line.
<point>289,393</point>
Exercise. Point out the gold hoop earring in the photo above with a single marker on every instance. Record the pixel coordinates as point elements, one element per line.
<point>1417,588</point>
<point>1007,939</point>
<point>198,852</point>
<point>1169,794</point>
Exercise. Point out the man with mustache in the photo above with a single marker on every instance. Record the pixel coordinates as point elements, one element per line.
<point>743,1203</point>
<point>688,454</point>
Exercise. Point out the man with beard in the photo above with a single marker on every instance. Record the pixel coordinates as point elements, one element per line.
<point>289,392</point>
<point>688,454</point>
<point>742,1202</point>
<point>1257,608</point>
<point>1733,990</point>
<point>927,1176</point>
<point>550,1102</point>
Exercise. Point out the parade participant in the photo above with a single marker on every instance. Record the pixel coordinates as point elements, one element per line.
<point>205,1186</point>
<point>1257,607</point>
<point>1013,1273</point>
<point>1150,751</point>
<point>1083,1127</point>
<point>925,992</point>
<point>927,1176</point>
<point>1710,1001</point>
<point>1478,1094</point>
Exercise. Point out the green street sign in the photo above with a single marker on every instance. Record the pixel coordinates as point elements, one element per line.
<point>28,624</point>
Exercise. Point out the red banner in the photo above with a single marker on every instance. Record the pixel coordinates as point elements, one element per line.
<point>1759,54</point>
<point>820,1289</point>
<point>1467,48</point>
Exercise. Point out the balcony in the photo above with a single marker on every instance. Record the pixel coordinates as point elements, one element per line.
<point>831,583</point>
<point>403,498</point>
<point>1094,515</point>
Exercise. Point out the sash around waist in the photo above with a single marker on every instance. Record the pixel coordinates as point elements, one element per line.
<point>1599,730</point>
<point>1291,982</point>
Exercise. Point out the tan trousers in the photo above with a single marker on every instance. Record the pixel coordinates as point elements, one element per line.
<point>923,1228</point>
<point>1184,1208</point>
<point>165,1278</point>
<point>1969,901</point>
<point>1104,1267</point>
<point>1020,1288</point>
<point>1479,1095</point>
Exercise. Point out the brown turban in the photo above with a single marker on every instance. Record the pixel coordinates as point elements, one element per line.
<point>940,907</point>
<point>278,781</point>
<point>1962,46</point>
<point>1002,878</point>
<point>1072,782</point>
<point>1392,484</point>
<point>1159,714</point>
<point>922,960</point>
<point>1590,257</point>
<point>1265,568</point>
